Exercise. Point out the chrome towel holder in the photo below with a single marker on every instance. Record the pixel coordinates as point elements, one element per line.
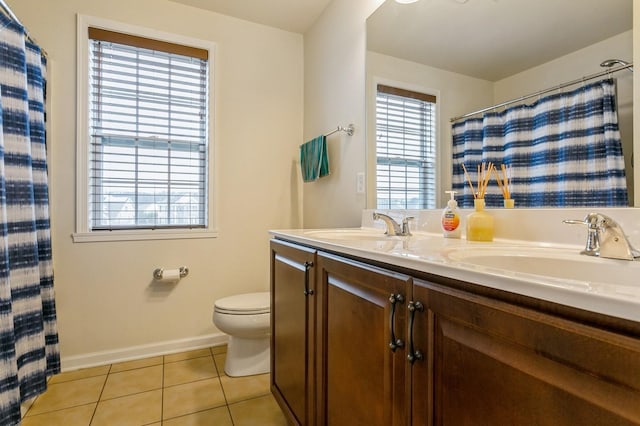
<point>348,130</point>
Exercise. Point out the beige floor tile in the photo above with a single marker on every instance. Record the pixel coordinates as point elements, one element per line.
<point>132,381</point>
<point>215,350</point>
<point>80,374</point>
<point>190,370</point>
<point>220,360</point>
<point>76,416</point>
<point>138,363</point>
<point>263,411</point>
<point>192,397</point>
<point>218,417</point>
<point>240,388</point>
<point>139,409</point>
<point>181,356</point>
<point>68,394</point>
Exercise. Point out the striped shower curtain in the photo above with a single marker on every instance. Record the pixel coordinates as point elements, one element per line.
<point>28,332</point>
<point>564,150</point>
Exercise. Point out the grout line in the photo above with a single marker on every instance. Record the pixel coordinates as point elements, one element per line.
<point>204,410</point>
<point>35,398</point>
<point>221,372</point>
<point>224,394</point>
<point>162,394</point>
<point>44,413</point>
<point>192,381</point>
<point>186,359</point>
<point>226,402</point>
<point>129,394</point>
<point>104,385</point>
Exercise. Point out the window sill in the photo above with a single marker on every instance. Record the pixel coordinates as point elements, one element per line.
<point>142,235</point>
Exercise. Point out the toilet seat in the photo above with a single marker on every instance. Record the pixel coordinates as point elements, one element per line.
<point>244,304</point>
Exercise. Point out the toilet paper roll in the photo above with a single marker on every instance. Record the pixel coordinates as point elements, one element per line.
<point>169,275</point>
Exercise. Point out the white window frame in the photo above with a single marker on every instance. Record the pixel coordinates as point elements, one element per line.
<point>83,232</point>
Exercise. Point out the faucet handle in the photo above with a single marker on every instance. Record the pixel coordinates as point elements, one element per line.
<point>592,246</point>
<point>405,225</point>
<point>592,220</point>
<point>575,222</point>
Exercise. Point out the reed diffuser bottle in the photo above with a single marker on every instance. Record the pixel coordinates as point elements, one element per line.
<point>480,223</point>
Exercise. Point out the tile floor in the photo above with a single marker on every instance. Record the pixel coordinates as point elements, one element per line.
<point>188,388</point>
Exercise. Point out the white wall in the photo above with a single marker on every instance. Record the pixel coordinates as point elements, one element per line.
<point>334,92</point>
<point>456,94</point>
<point>106,300</point>
<point>570,67</point>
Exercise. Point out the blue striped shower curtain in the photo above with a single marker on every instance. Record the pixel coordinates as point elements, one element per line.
<point>564,150</point>
<point>28,332</point>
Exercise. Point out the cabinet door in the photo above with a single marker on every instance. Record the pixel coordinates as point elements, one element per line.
<point>490,362</point>
<point>361,379</point>
<point>292,313</point>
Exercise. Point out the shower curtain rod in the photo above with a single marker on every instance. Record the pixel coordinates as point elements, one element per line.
<point>542,92</point>
<point>13,16</point>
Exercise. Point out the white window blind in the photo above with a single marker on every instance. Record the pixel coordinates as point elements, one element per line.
<point>148,133</point>
<point>405,149</point>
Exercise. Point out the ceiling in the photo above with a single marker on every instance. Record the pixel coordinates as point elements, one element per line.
<point>493,39</point>
<point>290,15</point>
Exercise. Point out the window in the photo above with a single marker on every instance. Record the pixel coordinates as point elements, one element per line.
<point>405,149</point>
<point>146,146</point>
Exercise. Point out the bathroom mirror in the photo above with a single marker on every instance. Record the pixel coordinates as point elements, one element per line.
<point>473,54</point>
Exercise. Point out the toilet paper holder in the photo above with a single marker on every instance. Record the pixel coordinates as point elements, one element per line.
<point>158,272</point>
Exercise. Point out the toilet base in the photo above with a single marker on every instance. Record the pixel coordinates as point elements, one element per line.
<point>246,357</point>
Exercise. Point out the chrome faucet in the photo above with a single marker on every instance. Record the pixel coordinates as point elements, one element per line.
<point>605,238</point>
<point>393,227</point>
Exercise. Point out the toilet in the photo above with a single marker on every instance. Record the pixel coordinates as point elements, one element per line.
<point>246,319</point>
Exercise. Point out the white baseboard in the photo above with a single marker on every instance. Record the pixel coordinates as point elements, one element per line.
<point>94,359</point>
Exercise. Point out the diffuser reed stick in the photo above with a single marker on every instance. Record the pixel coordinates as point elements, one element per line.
<point>483,178</point>
<point>468,178</point>
<point>504,180</point>
<point>484,174</point>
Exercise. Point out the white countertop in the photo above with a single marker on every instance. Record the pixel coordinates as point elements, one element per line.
<point>432,253</point>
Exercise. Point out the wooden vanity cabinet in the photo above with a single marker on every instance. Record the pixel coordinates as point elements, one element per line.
<point>292,330</point>
<point>362,372</point>
<point>478,356</point>
<point>490,362</point>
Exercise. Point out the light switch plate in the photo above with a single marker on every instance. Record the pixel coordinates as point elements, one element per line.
<point>360,183</point>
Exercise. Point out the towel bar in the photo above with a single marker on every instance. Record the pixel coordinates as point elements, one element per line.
<point>348,130</point>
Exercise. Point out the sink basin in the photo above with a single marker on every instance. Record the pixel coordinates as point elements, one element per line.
<point>554,263</point>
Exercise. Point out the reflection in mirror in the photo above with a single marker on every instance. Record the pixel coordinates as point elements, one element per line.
<point>480,53</point>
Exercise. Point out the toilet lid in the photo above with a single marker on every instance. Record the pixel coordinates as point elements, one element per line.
<point>245,304</point>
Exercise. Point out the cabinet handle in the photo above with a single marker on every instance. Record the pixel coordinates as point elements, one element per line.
<point>394,343</point>
<point>307,290</point>
<point>413,354</point>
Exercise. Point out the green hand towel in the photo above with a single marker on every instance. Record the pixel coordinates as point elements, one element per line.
<point>314,160</point>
